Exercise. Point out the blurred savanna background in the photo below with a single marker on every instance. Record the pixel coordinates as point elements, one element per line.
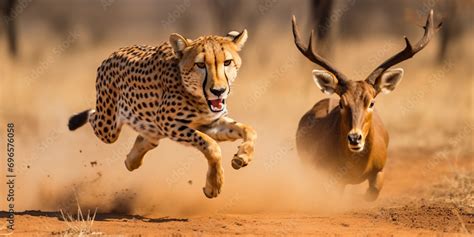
<point>50,50</point>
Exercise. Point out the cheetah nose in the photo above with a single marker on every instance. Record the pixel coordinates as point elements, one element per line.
<point>218,91</point>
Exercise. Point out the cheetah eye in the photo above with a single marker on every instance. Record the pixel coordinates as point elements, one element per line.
<point>201,65</point>
<point>227,62</point>
<point>372,104</point>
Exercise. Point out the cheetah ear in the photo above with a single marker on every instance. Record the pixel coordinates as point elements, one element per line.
<point>179,43</point>
<point>239,39</point>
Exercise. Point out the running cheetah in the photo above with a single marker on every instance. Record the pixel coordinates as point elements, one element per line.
<point>177,90</point>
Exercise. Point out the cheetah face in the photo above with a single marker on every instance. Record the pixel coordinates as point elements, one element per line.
<point>209,65</point>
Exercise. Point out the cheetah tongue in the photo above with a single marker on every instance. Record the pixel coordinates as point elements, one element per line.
<point>217,104</point>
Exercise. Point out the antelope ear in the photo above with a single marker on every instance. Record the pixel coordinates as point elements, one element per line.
<point>239,39</point>
<point>388,81</point>
<point>179,43</point>
<point>325,81</point>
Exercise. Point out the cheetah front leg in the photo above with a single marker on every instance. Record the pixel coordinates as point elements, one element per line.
<point>226,129</point>
<point>212,152</point>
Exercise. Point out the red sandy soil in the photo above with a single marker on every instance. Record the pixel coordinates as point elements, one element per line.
<point>411,204</point>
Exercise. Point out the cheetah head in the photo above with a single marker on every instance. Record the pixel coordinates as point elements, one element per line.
<point>208,65</point>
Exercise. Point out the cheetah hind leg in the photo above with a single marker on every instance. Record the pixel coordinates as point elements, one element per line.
<point>140,148</point>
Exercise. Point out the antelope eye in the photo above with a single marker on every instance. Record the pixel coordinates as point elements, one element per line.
<point>227,62</point>
<point>372,103</point>
<point>201,65</point>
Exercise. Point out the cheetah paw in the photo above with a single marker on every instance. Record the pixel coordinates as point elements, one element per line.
<point>131,166</point>
<point>213,184</point>
<point>240,161</point>
<point>212,191</point>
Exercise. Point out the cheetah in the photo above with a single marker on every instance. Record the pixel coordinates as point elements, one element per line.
<point>177,90</point>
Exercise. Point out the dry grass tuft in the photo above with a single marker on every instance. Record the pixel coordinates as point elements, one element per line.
<point>79,225</point>
<point>460,193</point>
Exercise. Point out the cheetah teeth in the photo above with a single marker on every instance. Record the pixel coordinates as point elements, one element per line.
<point>217,105</point>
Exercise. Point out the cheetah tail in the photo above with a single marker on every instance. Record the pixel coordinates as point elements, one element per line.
<point>78,120</point>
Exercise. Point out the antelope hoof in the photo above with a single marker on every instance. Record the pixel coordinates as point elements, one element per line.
<point>239,161</point>
<point>371,195</point>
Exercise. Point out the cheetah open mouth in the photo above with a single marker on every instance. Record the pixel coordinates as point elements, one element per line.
<point>216,105</point>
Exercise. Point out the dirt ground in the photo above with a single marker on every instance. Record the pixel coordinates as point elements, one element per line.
<point>429,174</point>
<point>412,204</point>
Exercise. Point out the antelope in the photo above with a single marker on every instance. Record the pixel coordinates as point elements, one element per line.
<point>346,136</point>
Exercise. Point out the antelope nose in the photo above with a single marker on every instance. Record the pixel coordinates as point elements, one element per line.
<point>217,91</point>
<point>354,138</point>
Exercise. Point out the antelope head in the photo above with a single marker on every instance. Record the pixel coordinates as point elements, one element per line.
<point>357,98</point>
